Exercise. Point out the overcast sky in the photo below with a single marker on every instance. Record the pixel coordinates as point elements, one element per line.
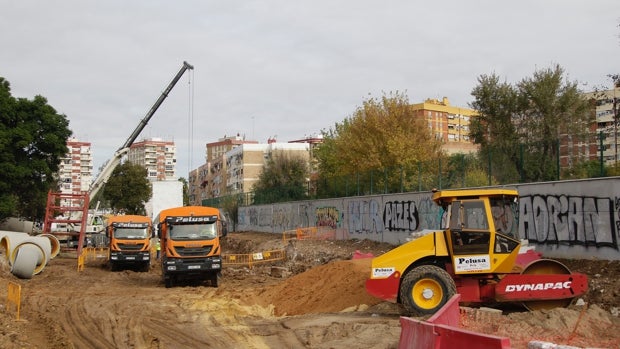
<point>282,68</point>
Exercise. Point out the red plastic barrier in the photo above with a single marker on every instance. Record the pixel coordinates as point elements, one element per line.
<point>449,314</point>
<point>441,331</point>
<point>449,337</point>
<point>360,255</point>
<point>416,334</point>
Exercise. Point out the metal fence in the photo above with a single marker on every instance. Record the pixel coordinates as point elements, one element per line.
<point>456,171</point>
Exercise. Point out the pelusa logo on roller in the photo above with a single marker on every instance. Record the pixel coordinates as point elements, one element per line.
<point>543,286</point>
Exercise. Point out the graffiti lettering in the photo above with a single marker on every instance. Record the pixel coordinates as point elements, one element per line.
<point>363,217</point>
<point>567,219</point>
<point>400,216</point>
<point>327,217</point>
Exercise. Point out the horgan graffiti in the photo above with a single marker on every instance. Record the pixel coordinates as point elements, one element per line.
<point>572,220</point>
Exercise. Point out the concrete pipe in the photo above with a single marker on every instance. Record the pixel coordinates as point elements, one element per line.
<point>25,262</point>
<point>13,242</point>
<point>55,244</point>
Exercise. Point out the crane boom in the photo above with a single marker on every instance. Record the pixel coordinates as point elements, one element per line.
<point>109,167</point>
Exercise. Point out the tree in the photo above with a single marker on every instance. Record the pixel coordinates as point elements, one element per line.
<point>384,134</point>
<point>33,138</point>
<point>185,191</point>
<point>283,178</point>
<point>519,127</point>
<point>128,189</point>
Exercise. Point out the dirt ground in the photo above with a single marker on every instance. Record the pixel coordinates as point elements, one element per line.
<point>314,299</point>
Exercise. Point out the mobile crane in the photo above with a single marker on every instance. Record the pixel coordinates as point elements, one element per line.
<point>61,203</point>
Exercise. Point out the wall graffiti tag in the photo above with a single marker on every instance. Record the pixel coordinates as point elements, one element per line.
<point>401,216</point>
<point>327,217</point>
<point>572,220</point>
<point>364,216</point>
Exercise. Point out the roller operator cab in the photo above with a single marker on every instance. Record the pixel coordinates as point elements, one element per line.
<point>129,242</point>
<point>474,253</point>
<point>190,244</point>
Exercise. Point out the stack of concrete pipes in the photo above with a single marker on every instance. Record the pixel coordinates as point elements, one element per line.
<point>26,254</point>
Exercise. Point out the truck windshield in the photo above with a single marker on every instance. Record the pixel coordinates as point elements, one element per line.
<point>193,231</point>
<point>131,233</point>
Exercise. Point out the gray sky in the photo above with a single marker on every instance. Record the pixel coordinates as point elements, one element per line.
<point>282,68</point>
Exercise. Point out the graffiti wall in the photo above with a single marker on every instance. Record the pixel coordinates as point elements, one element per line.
<point>564,219</point>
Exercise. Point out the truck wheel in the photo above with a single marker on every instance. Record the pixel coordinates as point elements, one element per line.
<point>168,281</point>
<point>214,279</point>
<point>146,267</point>
<point>425,289</point>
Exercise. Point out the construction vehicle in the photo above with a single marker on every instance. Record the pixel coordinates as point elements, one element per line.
<point>71,210</point>
<point>129,238</point>
<point>474,254</point>
<point>190,244</point>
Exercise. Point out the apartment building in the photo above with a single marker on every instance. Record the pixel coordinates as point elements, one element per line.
<point>245,163</point>
<point>75,174</point>
<point>448,123</point>
<point>607,107</point>
<point>158,156</point>
<point>209,180</point>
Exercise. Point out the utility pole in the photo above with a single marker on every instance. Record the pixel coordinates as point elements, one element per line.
<point>615,105</point>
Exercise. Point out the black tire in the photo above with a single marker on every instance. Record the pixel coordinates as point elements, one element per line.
<point>168,281</point>
<point>214,279</point>
<point>425,289</point>
<point>146,266</point>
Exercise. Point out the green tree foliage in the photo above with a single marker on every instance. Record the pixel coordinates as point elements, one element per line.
<point>283,178</point>
<point>464,170</point>
<point>230,206</point>
<point>519,126</point>
<point>383,144</point>
<point>185,191</point>
<point>33,138</point>
<point>128,189</point>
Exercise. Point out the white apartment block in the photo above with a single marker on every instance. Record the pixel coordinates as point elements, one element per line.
<point>157,156</point>
<point>245,163</point>
<point>607,106</point>
<point>75,173</point>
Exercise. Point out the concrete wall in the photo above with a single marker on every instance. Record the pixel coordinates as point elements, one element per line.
<point>566,219</point>
<point>166,194</point>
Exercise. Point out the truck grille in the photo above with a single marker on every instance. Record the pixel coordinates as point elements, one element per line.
<point>193,251</point>
<point>131,247</point>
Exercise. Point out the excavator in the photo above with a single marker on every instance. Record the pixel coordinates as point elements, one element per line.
<point>71,210</point>
<point>475,254</point>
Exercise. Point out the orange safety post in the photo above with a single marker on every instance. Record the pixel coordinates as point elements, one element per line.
<point>14,296</point>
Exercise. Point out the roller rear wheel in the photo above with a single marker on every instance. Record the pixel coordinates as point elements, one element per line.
<point>546,266</point>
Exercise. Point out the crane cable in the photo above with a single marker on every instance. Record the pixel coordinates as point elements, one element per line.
<point>190,116</point>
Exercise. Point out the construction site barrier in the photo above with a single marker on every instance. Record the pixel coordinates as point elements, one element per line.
<point>441,331</point>
<point>310,233</point>
<point>95,253</point>
<point>253,258</point>
<point>14,294</point>
<point>80,262</point>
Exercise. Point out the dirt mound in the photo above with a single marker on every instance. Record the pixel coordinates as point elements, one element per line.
<point>583,326</point>
<point>333,287</point>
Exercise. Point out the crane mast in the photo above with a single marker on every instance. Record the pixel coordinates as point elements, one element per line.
<point>73,208</point>
<point>109,167</point>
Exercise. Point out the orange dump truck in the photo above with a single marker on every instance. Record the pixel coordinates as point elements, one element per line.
<point>190,243</point>
<point>129,238</point>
